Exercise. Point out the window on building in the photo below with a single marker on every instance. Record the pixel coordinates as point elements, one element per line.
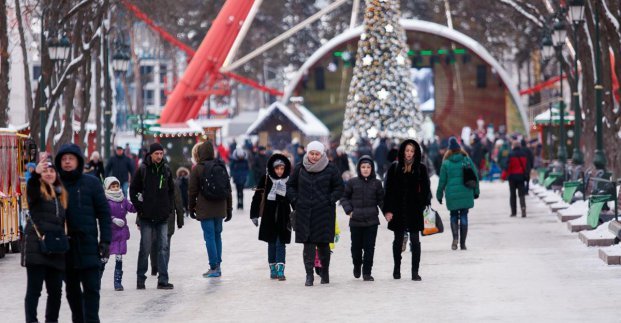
<point>163,97</point>
<point>148,97</point>
<point>146,74</point>
<point>36,72</point>
<point>163,73</point>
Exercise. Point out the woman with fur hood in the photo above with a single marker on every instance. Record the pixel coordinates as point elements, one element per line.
<point>408,193</point>
<point>270,203</point>
<point>459,198</point>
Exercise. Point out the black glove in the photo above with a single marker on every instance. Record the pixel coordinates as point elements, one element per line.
<point>476,196</point>
<point>228,217</point>
<point>104,250</point>
<point>193,215</point>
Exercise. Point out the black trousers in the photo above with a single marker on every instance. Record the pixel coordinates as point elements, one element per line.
<point>82,289</point>
<point>396,249</point>
<point>519,187</point>
<point>363,239</point>
<point>309,256</point>
<point>53,279</point>
<point>240,194</point>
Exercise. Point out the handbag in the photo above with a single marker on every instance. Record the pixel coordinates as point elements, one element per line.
<point>470,178</point>
<point>432,222</point>
<point>52,242</point>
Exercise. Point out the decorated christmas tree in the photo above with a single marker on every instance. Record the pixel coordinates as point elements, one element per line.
<point>381,99</point>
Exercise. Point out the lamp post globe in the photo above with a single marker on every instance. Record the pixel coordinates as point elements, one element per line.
<point>576,11</point>
<point>559,33</point>
<point>59,48</point>
<point>120,62</point>
<point>547,47</point>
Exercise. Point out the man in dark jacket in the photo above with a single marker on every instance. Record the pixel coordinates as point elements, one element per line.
<point>381,157</point>
<point>153,195</point>
<point>259,165</point>
<point>361,199</point>
<point>121,167</point>
<point>517,170</point>
<point>87,208</point>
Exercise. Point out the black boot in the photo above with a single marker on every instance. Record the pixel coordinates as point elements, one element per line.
<point>118,275</point>
<point>416,261</point>
<point>455,235</point>
<point>325,264</point>
<point>396,256</point>
<point>463,229</point>
<point>309,261</point>
<point>309,280</point>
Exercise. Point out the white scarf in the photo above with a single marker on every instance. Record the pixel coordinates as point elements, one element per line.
<point>279,187</point>
<point>116,196</point>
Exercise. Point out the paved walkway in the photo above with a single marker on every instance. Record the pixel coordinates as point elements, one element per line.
<point>515,270</point>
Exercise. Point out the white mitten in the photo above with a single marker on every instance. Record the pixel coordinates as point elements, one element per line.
<point>120,223</point>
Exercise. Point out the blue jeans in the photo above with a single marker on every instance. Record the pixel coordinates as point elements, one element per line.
<point>462,215</point>
<point>276,252</point>
<point>124,188</point>
<point>148,232</point>
<point>212,233</point>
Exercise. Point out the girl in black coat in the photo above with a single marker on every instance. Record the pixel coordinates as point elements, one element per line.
<point>313,190</point>
<point>47,200</point>
<point>363,195</point>
<point>271,205</point>
<point>408,193</point>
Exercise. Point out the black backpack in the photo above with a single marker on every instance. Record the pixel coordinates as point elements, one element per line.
<point>470,178</point>
<point>215,181</point>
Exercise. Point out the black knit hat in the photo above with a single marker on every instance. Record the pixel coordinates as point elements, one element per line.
<point>155,147</point>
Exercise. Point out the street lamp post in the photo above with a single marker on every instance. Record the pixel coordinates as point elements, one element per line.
<point>120,63</point>
<point>576,15</point>
<point>558,37</point>
<point>58,50</point>
<point>547,50</point>
<point>599,159</point>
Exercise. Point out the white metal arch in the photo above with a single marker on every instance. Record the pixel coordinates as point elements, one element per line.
<point>424,27</point>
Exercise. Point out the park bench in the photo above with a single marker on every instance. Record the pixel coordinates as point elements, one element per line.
<point>580,207</point>
<point>575,183</point>
<point>612,255</point>
<point>604,191</point>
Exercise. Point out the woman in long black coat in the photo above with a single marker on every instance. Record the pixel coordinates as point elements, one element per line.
<point>313,190</point>
<point>270,203</point>
<point>47,200</point>
<point>408,193</point>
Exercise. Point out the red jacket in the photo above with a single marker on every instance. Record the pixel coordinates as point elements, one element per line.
<point>517,166</point>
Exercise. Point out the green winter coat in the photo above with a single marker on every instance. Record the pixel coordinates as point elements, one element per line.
<point>458,196</point>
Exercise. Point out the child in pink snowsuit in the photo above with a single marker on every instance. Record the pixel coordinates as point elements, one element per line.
<point>119,207</point>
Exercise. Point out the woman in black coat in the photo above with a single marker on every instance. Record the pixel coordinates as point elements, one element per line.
<point>270,203</point>
<point>408,193</point>
<point>47,200</point>
<point>313,190</point>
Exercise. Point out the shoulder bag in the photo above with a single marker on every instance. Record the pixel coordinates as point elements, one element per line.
<point>53,242</point>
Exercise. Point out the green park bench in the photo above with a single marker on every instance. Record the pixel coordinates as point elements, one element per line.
<point>606,192</point>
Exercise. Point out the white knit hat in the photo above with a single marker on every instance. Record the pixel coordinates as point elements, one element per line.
<point>109,180</point>
<point>316,146</point>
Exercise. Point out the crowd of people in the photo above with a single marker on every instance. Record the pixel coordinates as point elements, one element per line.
<point>296,190</point>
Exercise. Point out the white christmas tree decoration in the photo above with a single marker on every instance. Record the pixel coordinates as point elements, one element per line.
<point>380,99</point>
<point>367,60</point>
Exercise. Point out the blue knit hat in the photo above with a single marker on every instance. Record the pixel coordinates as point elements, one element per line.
<point>453,144</point>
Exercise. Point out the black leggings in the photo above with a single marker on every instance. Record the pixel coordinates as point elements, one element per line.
<point>309,256</point>
<point>396,249</point>
<point>53,278</point>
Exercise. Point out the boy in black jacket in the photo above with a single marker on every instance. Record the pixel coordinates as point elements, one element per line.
<point>363,195</point>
